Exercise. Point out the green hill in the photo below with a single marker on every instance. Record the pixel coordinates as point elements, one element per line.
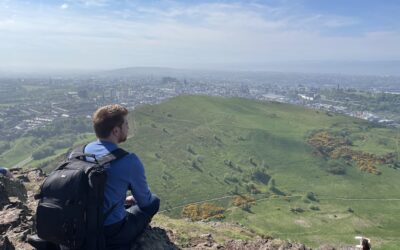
<point>308,175</point>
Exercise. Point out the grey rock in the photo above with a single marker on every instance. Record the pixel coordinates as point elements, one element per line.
<point>5,243</point>
<point>3,195</point>
<point>154,239</point>
<point>13,188</point>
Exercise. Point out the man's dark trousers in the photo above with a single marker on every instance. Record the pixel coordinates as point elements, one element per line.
<point>119,236</point>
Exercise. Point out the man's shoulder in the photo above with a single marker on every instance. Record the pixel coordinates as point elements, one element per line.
<point>92,143</point>
<point>132,157</point>
<point>130,163</point>
<point>100,147</point>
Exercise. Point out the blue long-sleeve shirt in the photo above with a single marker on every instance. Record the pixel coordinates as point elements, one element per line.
<point>123,174</point>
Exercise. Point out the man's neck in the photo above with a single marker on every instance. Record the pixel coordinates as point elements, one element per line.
<point>109,139</point>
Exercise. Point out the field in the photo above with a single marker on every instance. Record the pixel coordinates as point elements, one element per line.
<point>279,170</point>
<point>200,149</point>
<point>20,152</point>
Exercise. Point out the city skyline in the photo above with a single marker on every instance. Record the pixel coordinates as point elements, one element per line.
<point>260,35</point>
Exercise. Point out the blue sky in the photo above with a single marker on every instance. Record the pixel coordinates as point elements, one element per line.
<point>103,34</point>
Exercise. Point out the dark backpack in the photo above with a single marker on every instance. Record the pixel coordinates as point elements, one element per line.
<point>70,210</point>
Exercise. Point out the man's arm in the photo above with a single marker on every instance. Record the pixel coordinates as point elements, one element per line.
<point>138,184</point>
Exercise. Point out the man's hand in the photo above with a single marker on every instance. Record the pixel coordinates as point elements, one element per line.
<point>130,201</point>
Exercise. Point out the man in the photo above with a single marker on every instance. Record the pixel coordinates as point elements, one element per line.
<point>122,226</point>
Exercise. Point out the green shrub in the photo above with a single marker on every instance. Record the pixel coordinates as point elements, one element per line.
<point>296,210</point>
<point>312,196</point>
<point>43,153</point>
<point>230,178</point>
<point>336,167</point>
<point>260,175</point>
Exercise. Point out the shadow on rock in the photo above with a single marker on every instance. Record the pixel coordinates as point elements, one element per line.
<point>155,238</point>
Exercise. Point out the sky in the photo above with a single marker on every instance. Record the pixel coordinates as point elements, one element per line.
<point>107,34</point>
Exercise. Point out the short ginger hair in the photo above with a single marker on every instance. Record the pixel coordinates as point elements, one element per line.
<point>106,118</point>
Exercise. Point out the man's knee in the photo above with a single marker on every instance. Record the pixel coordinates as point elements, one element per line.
<point>153,208</point>
<point>156,203</point>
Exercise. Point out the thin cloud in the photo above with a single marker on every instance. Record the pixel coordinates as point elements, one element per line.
<point>6,23</point>
<point>338,22</point>
<point>96,3</point>
<point>182,35</point>
<point>64,6</point>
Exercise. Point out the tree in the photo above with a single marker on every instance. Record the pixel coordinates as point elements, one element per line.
<point>43,153</point>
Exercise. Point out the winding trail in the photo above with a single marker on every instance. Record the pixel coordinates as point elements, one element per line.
<point>197,202</point>
<point>361,199</point>
<point>270,198</point>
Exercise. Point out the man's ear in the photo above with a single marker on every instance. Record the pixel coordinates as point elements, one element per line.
<point>115,130</point>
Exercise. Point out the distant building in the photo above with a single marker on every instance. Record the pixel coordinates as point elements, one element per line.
<point>366,116</point>
<point>72,94</point>
<point>167,80</point>
<point>386,121</point>
<point>304,97</point>
<point>273,97</point>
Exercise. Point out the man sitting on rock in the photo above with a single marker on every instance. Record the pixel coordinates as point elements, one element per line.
<point>122,225</point>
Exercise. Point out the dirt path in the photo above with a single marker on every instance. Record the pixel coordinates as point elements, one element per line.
<point>293,196</point>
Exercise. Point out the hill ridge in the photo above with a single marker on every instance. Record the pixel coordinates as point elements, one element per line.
<point>210,149</point>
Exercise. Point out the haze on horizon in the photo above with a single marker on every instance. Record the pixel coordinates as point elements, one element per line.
<point>359,36</point>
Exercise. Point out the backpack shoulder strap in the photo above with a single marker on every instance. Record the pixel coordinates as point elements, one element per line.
<point>113,155</point>
<point>77,152</point>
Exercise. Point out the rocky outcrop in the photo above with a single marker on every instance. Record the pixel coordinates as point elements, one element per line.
<point>17,207</point>
<point>11,188</point>
<point>3,194</point>
<point>5,243</point>
<point>157,239</point>
<point>263,244</point>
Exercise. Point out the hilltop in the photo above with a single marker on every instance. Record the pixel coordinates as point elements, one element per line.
<point>278,169</point>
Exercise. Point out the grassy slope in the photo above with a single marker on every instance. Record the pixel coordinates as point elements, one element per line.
<point>23,148</point>
<point>274,135</point>
<point>51,162</point>
<point>185,230</point>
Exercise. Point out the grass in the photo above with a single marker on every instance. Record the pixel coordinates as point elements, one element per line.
<point>186,142</point>
<point>54,159</point>
<point>275,137</point>
<point>186,231</point>
<point>23,148</point>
